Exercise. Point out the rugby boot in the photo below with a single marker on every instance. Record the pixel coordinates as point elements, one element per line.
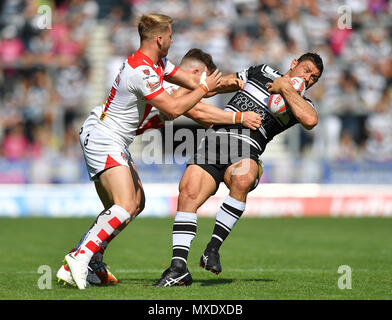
<point>176,275</point>
<point>210,260</point>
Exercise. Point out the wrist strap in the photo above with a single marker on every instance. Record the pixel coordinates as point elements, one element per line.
<point>238,117</point>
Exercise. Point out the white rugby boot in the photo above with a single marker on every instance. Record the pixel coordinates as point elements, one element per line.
<point>64,276</point>
<point>79,271</point>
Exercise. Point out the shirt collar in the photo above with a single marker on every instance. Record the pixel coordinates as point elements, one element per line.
<point>145,58</point>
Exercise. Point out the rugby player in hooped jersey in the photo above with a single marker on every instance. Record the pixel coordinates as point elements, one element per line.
<point>194,62</point>
<point>240,170</point>
<point>105,142</point>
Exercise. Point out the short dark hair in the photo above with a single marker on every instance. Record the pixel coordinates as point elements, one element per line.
<point>315,58</point>
<point>202,56</point>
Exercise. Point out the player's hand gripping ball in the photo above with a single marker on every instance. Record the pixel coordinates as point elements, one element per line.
<point>276,103</point>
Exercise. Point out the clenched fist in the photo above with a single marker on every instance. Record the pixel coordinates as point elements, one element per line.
<point>251,120</point>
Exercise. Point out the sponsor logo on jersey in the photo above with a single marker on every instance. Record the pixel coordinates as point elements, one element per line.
<point>153,85</point>
<point>152,77</point>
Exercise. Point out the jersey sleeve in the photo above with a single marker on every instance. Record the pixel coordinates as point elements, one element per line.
<point>146,82</point>
<point>170,88</point>
<point>169,70</point>
<point>244,74</point>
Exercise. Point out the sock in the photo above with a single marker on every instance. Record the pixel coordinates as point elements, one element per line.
<point>104,245</point>
<point>184,230</point>
<point>105,225</point>
<point>85,234</point>
<point>226,217</point>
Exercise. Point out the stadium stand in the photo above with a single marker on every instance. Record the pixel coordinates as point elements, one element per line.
<point>51,77</point>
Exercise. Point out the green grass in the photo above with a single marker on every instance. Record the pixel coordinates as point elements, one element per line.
<point>279,258</point>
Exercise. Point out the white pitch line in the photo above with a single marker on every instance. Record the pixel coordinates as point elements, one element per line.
<point>295,270</point>
<point>160,270</point>
<point>253,270</point>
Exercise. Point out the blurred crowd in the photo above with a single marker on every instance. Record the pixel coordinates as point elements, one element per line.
<point>45,69</point>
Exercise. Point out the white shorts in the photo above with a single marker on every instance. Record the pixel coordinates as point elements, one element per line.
<point>101,151</point>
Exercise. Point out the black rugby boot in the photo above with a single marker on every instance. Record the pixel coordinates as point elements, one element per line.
<point>176,275</point>
<point>210,260</point>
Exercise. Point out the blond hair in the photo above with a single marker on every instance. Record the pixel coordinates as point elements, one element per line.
<point>153,24</point>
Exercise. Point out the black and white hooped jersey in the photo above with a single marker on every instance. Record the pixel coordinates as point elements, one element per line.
<point>254,98</point>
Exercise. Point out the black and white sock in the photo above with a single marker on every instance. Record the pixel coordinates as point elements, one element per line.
<point>184,230</point>
<point>226,217</point>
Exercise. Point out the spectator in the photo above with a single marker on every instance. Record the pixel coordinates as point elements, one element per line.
<point>378,146</point>
<point>11,50</point>
<point>14,144</point>
<point>347,149</point>
<point>44,74</point>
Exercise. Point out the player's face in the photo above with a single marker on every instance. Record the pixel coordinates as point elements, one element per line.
<point>306,70</point>
<point>166,41</point>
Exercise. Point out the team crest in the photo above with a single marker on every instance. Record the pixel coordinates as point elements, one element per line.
<point>146,72</point>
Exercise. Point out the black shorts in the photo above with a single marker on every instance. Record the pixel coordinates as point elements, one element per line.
<point>221,148</point>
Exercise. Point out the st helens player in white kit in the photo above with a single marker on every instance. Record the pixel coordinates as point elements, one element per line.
<point>105,142</point>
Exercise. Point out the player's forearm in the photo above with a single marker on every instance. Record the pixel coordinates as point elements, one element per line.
<point>301,109</point>
<point>186,102</point>
<point>229,83</point>
<point>206,113</point>
<point>196,119</point>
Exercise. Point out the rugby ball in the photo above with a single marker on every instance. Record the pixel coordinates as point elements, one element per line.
<point>276,103</point>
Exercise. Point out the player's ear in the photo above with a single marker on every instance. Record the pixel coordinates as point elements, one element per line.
<point>159,39</point>
<point>294,63</point>
<point>196,70</point>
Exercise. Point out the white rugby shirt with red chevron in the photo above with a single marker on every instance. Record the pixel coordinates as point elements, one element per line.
<point>127,111</point>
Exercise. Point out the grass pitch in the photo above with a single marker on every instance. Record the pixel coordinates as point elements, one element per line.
<point>263,259</point>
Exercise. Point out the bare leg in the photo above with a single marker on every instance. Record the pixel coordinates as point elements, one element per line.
<point>196,186</point>
<point>108,202</point>
<point>239,178</point>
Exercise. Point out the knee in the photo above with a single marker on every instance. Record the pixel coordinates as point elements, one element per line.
<point>188,194</point>
<point>130,207</point>
<point>133,204</point>
<point>242,184</point>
